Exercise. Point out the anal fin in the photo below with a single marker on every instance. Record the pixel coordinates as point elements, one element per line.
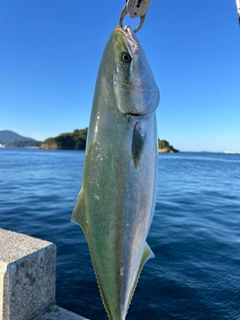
<point>79,212</point>
<point>79,216</point>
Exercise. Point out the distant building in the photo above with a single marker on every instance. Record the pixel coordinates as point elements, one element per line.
<point>238,9</point>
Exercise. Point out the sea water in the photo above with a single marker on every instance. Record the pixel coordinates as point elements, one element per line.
<point>195,233</point>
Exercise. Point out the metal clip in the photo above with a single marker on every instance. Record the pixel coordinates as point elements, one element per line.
<point>135,8</point>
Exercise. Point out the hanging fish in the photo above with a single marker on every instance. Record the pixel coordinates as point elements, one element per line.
<point>116,203</point>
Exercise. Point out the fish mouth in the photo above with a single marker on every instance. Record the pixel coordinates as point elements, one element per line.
<point>130,39</point>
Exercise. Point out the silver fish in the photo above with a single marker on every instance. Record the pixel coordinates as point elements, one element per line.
<point>116,203</point>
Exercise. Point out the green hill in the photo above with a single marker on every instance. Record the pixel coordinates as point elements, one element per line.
<point>75,140</point>
<point>24,143</point>
<point>165,147</point>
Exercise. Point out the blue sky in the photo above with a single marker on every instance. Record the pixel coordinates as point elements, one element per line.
<point>50,52</point>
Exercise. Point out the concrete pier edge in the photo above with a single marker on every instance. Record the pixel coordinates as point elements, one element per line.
<point>28,279</point>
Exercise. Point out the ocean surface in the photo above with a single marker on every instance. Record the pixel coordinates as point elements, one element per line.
<point>195,233</point>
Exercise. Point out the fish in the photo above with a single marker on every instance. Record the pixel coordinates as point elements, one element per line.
<point>116,203</point>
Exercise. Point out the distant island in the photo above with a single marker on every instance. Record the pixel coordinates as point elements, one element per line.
<point>165,147</point>
<point>25,144</point>
<point>76,140</point>
<point>9,138</point>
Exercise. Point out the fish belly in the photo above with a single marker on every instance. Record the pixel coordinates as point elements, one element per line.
<point>119,203</point>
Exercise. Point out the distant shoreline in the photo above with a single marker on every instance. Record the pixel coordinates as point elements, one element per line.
<point>160,151</point>
<point>165,150</point>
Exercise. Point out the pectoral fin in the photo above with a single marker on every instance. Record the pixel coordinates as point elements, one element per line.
<point>138,141</point>
<point>146,255</point>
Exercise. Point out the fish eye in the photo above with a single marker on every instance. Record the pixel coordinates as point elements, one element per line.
<point>125,57</point>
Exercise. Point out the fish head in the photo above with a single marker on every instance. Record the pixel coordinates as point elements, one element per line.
<point>134,85</point>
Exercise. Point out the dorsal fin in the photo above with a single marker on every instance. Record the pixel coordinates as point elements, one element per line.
<point>146,255</point>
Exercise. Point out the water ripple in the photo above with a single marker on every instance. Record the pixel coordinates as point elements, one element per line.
<point>195,233</point>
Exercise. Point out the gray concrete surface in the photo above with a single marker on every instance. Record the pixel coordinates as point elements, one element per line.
<point>27,276</point>
<point>56,313</point>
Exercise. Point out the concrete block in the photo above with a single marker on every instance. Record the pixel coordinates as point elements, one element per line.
<point>56,313</point>
<point>27,276</point>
